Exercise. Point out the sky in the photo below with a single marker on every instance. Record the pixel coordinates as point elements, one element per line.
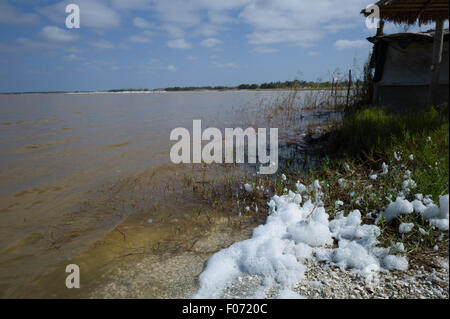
<point>165,43</point>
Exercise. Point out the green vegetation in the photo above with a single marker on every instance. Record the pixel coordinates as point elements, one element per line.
<point>296,84</point>
<point>414,144</point>
<point>286,85</point>
<point>375,132</point>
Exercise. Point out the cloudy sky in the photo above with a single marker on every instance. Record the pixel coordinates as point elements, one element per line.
<point>161,43</point>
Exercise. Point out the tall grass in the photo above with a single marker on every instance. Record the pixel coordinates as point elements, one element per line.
<point>373,131</point>
<point>288,109</point>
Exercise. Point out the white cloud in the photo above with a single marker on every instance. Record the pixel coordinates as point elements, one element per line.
<point>173,30</point>
<point>72,57</point>
<point>40,46</point>
<point>217,6</point>
<point>13,16</point>
<point>191,58</point>
<point>351,44</point>
<point>211,42</point>
<point>180,12</point>
<point>336,27</point>
<point>207,30</point>
<point>94,14</point>
<point>7,48</point>
<point>265,50</point>
<point>103,44</point>
<point>227,65</point>
<point>292,22</point>
<point>132,4</point>
<point>139,39</point>
<point>178,44</point>
<point>297,15</point>
<point>141,23</point>
<point>220,18</point>
<point>205,17</point>
<point>143,37</point>
<point>155,65</point>
<point>55,34</point>
<point>299,37</point>
<point>301,23</point>
<point>314,53</point>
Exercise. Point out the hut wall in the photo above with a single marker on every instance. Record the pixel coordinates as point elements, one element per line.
<point>406,76</point>
<point>412,64</point>
<point>407,96</point>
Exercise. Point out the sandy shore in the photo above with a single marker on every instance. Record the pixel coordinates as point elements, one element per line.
<point>176,276</point>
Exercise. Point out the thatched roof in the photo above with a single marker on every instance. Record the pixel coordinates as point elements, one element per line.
<point>408,37</point>
<point>410,11</point>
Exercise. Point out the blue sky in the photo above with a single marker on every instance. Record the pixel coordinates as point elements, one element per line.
<point>162,43</point>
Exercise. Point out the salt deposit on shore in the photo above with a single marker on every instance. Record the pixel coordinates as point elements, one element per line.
<point>295,234</point>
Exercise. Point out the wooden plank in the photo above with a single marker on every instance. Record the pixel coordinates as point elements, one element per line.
<point>436,62</point>
<point>380,29</point>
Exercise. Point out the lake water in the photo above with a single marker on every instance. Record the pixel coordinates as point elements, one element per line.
<point>69,161</point>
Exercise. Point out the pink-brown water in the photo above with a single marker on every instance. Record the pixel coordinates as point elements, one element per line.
<point>60,152</point>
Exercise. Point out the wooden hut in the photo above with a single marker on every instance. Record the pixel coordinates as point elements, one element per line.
<point>402,69</point>
<point>393,54</point>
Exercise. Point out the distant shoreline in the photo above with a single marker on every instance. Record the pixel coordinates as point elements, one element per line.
<point>164,91</point>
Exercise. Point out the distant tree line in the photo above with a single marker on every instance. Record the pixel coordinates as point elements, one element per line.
<point>195,88</point>
<point>263,86</point>
<point>128,90</point>
<point>295,84</point>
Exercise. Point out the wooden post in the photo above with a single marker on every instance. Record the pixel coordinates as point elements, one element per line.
<point>335,91</point>
<point>380,29</point>
<point>332,91</point>
<point>349,84</point>
<point>436,62</point>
